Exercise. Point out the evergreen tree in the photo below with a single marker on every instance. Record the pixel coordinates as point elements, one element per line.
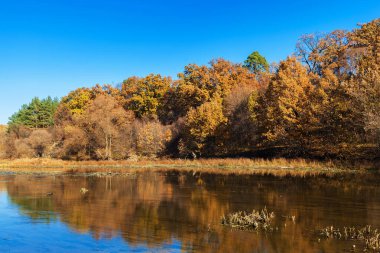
<point>37,114</point>
<point>256,63</point>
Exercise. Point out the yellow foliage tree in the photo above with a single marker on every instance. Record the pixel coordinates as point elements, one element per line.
<point>150,138</point>
<point>286,106</point>
<point>144,95</point>
<point>366,43</point>
<point>199,84</point>
<point>200,126</point>
<point>77,101</point>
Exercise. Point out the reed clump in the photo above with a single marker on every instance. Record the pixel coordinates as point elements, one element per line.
<point>367,234</point>
<point>249,221</point>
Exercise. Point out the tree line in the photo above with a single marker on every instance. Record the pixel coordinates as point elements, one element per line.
<point>321,102</point>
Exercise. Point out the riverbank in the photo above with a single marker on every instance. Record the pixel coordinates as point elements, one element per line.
<point>275,167</point>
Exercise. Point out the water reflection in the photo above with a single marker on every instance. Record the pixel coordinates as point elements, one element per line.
<point>2,186</point>
<point>182,211</point>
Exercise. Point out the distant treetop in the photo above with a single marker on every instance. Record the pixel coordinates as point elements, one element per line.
<point>256,63</point>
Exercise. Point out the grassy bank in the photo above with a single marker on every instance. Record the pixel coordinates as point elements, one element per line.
<point>276,167</point>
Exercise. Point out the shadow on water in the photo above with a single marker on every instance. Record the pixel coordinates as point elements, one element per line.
<point>156,208</point>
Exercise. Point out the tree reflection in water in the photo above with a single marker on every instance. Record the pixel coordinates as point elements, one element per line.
<point>157,208</point>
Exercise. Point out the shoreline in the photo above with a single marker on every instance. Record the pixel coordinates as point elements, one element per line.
<point>239,166</point>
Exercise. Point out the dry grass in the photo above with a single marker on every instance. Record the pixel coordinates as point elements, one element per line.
<point>276,167</point>
<point>369,235</point>
<point>249,221</point>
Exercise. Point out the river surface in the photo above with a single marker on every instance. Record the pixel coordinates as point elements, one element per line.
<point>177,212</point>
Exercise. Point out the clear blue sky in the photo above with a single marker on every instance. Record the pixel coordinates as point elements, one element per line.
<point>51,47</point>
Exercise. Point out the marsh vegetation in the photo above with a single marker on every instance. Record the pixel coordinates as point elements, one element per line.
<point>369,235</point>
<point>279,167</point>
<point>254,220</point>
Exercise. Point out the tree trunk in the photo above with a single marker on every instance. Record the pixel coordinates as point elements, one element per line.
<point>106,149</point>
<point>110,148</point>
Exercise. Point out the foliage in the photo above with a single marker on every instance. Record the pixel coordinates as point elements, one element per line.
<point>366,44</point>
<point>326,51</point>
<point>77,101</point>
<point>256,63</point>
<point>200,84</point>
<point>144,95</point>
<point>200,127</point>
<point>97,134</point>
<point>103,120</point>
<point>39,113</point>
<point>26,143</point>
<point>150,138</point>
<point>324,102</point>
<point>240,133</point>
<point>285,108</point>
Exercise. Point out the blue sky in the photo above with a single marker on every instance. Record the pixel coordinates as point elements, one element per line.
<point>51,47</point>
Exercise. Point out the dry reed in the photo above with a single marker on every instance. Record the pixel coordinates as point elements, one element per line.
<point>249,221</point>
<point>277,167</point>
<point>370,236</point>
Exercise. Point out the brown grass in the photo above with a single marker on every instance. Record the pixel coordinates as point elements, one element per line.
<point>276,167</point>
<point>249,221</point>
<point>369,235</point>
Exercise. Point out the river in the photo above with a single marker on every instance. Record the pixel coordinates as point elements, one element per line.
<point>178,212</point>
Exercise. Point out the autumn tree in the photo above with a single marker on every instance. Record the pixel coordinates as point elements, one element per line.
<point>91,123</point>
<point>41,142</point>
<point>104,120</point>
<point>200,127</point>
<point>199,84</point>
<point>21,149</point>
<point>308,50</point>
<point>222,87</point>
<point>286,106</point>
<point>365,42</point>
<point>144,95</point>
<point>340,60</point>
<point>73,142</point>
<point>150,137</point>
<point>349,76</point>
<point>240,133</point>
<point>77,101</point>
<point>326,51</point>
<point>340,115</point>
<point>29,143</point>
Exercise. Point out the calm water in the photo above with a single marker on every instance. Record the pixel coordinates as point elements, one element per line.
<point>154,212</point>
